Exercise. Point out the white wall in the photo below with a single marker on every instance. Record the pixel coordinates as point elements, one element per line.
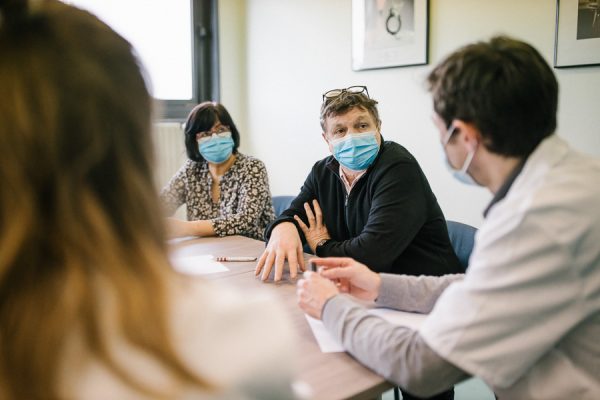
<point>232,56</point>
<point>294,50</point>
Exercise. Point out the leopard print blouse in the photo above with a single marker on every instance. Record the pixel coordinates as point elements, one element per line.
<point>245,206</point>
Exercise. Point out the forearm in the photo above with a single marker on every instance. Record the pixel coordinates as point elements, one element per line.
<point>413,293</point>
<point>237,224</point>
<point>180,228</point>
<point>397,353</point>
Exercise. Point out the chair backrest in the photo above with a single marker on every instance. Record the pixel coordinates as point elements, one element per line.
<point>282,203</point>
<point>462,237</point>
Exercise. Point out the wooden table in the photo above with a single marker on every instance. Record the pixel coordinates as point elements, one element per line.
<point>329,375</point>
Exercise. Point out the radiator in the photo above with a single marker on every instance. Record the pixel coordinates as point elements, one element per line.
<point>169,151</point>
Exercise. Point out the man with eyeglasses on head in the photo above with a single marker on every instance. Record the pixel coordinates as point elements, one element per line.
<point>369,200</point>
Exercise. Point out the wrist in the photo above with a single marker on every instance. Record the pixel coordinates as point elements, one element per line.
<point>325,303</point>
<point>377,286</point>
<point>320,244</point>
<point>193,228</point>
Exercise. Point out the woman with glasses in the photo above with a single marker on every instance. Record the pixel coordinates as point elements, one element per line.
<point>225,192</point>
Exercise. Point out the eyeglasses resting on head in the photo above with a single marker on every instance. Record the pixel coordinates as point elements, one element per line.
<point>330,94</point>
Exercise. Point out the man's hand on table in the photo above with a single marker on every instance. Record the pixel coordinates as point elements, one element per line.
<point>284,244</point>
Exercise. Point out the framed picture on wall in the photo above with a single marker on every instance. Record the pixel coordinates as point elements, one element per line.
<point>577,39</point>
<point>389,33</point>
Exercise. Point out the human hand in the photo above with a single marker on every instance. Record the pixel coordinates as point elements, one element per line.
<point>350,276</point>
<point>312,293</point>
<point>316,229</point>
<point>284,244</point>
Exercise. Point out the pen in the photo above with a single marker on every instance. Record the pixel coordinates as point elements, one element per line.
<point>235,258</point>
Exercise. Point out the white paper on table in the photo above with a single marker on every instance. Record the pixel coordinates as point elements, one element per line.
<point>197,265</point>
<point>328,344</point>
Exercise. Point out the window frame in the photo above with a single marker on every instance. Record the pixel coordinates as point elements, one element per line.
<point>205,62</point>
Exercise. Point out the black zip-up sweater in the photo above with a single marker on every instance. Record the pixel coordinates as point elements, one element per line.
<point>391,220</point>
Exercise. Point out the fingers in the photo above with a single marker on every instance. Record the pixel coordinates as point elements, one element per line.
<point>303,288</point>
<point>292,258</point>
<point>279,261</point>
<point>337,273</point>
<point>300,257</point>
<point>331,262</point>
<point>318,213</point>
<point>302,295</point>
<point>268,266</point>
<point>261,262</point>
<point>302,225</point>
<point>309,215</point>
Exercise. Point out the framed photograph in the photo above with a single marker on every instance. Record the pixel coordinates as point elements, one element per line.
<point>389,33</point>
<point>577,40</point>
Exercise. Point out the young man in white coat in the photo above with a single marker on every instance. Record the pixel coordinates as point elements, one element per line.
<point>525,317</point>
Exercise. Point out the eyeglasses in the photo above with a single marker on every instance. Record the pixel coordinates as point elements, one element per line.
<point>352,89</point>
<point>219,130</point>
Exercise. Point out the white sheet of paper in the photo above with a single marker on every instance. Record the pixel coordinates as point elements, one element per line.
<point>197,265</point>
<point>328,344</point>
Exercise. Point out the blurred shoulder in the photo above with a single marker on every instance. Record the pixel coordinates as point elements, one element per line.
<point>215,324</point>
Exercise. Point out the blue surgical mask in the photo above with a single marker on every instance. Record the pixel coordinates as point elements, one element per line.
<point>459,174</point>
<point>356,151</point>
<point>216,148</point>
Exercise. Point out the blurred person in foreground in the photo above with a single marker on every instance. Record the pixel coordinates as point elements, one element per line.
<point>89,305</point>
<point>525,317</point>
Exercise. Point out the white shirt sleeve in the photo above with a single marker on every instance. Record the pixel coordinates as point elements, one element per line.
<point>520,296</point>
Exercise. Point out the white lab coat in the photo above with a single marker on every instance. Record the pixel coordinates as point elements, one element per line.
<point>526,318</point>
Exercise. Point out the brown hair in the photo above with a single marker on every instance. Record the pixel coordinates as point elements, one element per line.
<point>505,87</point>
<point>346,101</point>
<point>80,222</point>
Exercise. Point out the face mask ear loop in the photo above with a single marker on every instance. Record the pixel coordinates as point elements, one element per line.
<point>468,160</point>
<point>450,131</point>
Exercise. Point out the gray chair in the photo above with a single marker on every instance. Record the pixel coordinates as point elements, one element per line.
<point>462,237</point>
<point>281,203</point>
